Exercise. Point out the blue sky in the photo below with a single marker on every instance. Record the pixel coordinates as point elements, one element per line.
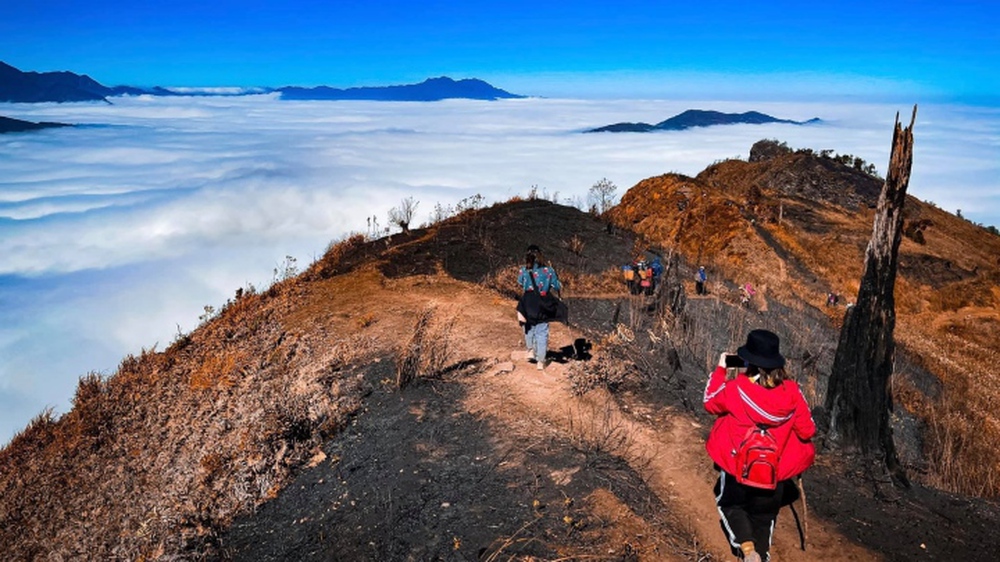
<point>906,51</point>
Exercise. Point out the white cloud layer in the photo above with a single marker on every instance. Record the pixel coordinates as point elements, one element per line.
<point>116,234</point>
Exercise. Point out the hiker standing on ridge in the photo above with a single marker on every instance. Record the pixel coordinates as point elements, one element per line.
<point>645,278</point>
<point>700,279</point>
<point>759,442</point>
<point>657,266</point>
<point>538,304</point>
<point>628,273</point>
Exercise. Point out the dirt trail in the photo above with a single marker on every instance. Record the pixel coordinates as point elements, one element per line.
<point>662,445</point>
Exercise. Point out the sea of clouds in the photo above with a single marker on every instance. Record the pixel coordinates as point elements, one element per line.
<point>114,235</point>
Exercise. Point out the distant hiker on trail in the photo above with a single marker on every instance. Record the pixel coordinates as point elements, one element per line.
<point>832,299</point>
<point>746,294</point>
<point>655,272</point>
<point>539,304</point>
<point>645,278</point>
<point>657,266</point>
<point>700,279</point>
<point>759,442</point>
<point>628,272</point>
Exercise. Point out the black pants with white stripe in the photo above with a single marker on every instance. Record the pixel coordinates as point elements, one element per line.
<point>748,514</point>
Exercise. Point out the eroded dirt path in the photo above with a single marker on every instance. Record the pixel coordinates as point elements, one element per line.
<point>664,445</point>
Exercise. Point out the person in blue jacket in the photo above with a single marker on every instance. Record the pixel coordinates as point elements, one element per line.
<point>700,279</point>
<point>657,267</point>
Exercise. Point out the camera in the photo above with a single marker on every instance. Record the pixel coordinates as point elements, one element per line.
<point>735,362</point>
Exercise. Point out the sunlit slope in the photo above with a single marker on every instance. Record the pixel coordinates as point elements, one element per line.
<point>795,225</point>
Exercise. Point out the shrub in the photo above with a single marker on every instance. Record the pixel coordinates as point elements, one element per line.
<point>426,353</point>
<point>336,258</point>
<point>501,282</point>
<point>576,245</point>
<point>914,230</point>
<point>402,215</point>
<point>597,429</point>
<point>614,368</point>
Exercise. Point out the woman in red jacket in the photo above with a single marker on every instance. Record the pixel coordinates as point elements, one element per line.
<point>756,395</point>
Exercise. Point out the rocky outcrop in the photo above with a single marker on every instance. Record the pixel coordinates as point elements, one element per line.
<point>767,149</point>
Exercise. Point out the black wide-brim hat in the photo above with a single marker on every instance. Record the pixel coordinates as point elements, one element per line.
<point>761,349</point>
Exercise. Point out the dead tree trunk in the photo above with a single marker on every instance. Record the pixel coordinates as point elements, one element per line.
<point>859,396</point>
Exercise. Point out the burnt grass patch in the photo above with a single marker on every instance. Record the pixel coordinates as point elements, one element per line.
<point>415,476</point>
<point>916,524</point>
<point>932,271</point>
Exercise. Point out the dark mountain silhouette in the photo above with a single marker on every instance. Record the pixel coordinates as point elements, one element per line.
<point>137,91</point>
<point>433,89</point>
<point>10,125</point>
<point>30,87</point>
<point>698,118</point>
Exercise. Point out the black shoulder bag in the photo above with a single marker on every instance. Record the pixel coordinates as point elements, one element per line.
<point>537,308</point>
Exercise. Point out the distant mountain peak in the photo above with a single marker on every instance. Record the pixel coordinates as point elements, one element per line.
<point>431,89</point>
<point>30,87</point>
<point>699,118</point>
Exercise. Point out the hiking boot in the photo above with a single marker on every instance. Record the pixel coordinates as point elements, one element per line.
<point>541,365</point>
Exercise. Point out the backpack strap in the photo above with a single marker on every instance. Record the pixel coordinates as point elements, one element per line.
<point>531,275</point>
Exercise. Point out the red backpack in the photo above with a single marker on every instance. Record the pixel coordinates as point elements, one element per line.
<point>757,459</point>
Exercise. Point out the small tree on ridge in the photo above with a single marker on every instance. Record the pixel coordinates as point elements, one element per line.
<point>402,215</point>
<point>602,195</point>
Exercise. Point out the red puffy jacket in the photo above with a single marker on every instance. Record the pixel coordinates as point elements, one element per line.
<point>741,404</point>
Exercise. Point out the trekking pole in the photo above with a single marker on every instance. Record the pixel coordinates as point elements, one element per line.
<point>801,523</point>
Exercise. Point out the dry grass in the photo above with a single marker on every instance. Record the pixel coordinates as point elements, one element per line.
<point>427,352</point>
<point>337,258</point>
<point>609,281</point>
<point>500,281</point>
<point>576,245</point>
<point>961,447</point>
<point>616,365</point>
<point>214,425</point>
<point>963,426</point>
<point>596,429</point>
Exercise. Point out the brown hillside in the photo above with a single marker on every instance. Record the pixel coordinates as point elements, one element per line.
<point>278,431</point>
<point>795,225</point>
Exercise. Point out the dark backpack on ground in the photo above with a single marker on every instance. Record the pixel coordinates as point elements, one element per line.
<point>757,459</point>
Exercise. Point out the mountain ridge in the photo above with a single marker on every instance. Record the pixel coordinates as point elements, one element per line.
<point>34,87</point>
<point>432,89</point>
<point>699,118</point>
<point>11,125</point>
<point>63,86</point>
